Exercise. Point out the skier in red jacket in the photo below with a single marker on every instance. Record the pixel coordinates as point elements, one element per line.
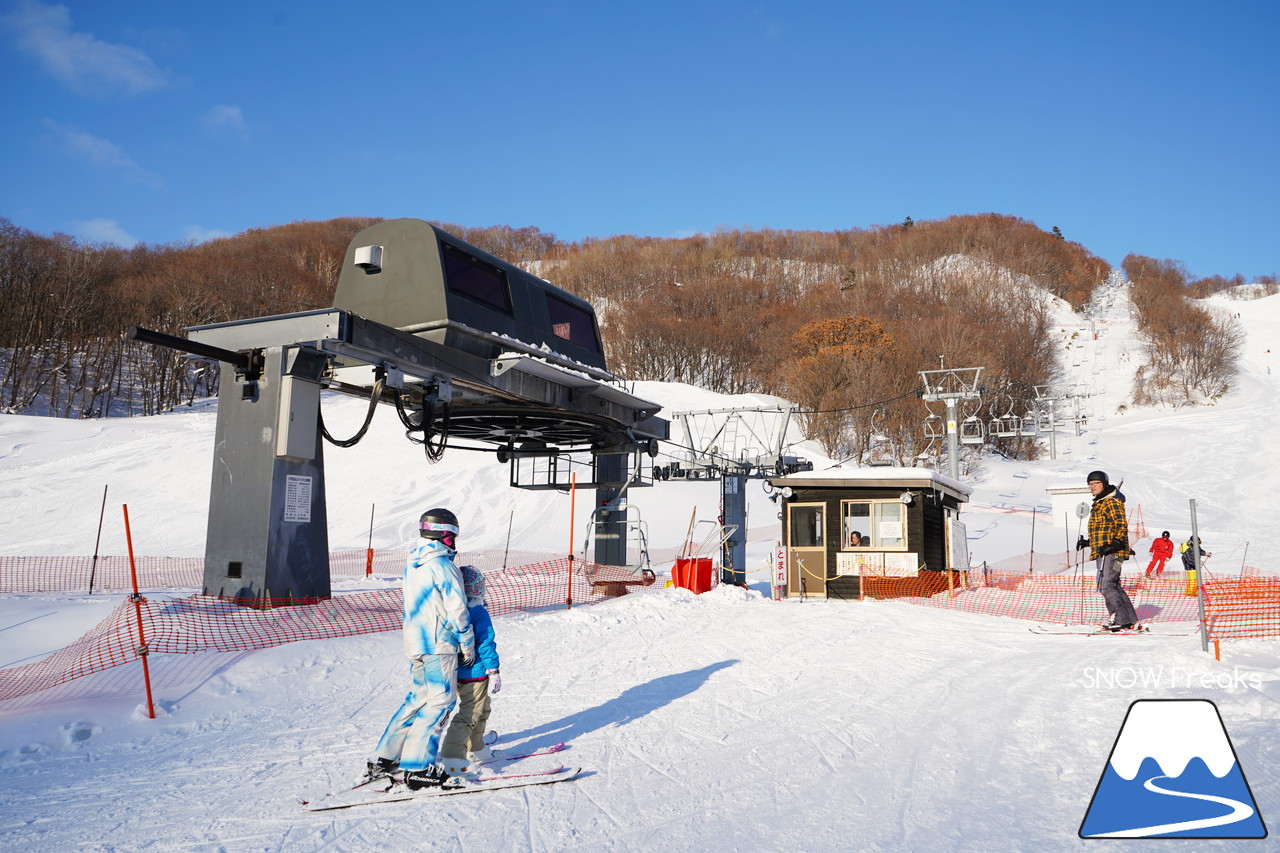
<point>1161,550</point>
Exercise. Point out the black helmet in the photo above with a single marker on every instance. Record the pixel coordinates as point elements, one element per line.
<point>437,523</point>
<point>1165,534</point>
<point>1100,476</point>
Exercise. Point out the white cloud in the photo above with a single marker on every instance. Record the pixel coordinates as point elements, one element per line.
<point>200,234</point>
<point>102,231</point>
<point>103,154</point>
<point>225,117</point>
<point>83,63</point>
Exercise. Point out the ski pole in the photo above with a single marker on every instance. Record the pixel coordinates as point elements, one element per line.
<point>93,567</point>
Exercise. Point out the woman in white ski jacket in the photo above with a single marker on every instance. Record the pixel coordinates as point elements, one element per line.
<point>437,632</point>
<point>436,620</point>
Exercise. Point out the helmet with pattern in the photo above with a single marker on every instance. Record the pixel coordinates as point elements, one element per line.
<point>473,580</point>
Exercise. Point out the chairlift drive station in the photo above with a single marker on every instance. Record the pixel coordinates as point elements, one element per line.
<point>464,345</point>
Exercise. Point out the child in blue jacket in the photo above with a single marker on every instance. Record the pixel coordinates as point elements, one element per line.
<point>464,742</point>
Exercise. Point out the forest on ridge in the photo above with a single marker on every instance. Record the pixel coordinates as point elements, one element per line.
<point>841,322</point>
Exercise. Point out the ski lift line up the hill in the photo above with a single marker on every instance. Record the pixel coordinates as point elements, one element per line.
<point>405,330</point>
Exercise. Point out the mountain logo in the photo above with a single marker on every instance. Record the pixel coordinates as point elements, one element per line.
<point>1173,773</point>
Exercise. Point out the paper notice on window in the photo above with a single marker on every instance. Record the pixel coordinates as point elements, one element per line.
<point>297,498</point>
<point>890,531</point>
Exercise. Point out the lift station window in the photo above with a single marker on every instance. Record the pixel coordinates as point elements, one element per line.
<point>573,324</point>
<point>475,279</point>
<point>879,524</point>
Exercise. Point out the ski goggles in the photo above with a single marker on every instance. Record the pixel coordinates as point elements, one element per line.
<point>432,527</point>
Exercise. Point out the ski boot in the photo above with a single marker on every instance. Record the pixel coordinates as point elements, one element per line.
<point>458,766</point>
<point>432,776</point>
<point>379,768</point>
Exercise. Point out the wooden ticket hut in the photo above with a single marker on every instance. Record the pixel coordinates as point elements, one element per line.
<point>842,525</point>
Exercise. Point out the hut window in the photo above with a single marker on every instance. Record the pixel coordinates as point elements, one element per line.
<point>872,524</point>
<point>572,323</point>
<point>475,279</point>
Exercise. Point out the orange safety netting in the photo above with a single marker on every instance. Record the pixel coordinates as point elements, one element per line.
<point>111,574</point>
<point>1241,606</point>
<point>1064,599</point>
<point>103,574</point>
<point>1247,605</point>
<point>206,623</point>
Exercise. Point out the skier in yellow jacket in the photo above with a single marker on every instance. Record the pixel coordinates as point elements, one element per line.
<point>1109,541</point>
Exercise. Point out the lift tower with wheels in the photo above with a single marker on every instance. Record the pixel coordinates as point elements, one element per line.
<point>465,347</point>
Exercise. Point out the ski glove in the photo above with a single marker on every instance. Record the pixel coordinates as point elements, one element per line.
<point>1082,543</point>
<point>495,680</point>
<point>465,659</point>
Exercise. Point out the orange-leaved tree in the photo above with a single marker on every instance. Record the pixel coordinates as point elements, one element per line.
<point>829,379</point>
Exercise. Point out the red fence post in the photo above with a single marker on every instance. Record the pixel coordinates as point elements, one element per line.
<point>136,598</point>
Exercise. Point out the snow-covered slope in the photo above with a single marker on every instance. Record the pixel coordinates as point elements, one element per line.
<point>710,723</point>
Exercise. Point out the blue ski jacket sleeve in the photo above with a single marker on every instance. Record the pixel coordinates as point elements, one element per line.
<point>436,621</point>
<point>486,646</point>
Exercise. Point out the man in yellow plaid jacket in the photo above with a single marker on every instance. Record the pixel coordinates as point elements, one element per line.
<point>1109,543</point>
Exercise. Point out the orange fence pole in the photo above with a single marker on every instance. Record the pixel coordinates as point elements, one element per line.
<point>368,560</point>
<point>136,598</point>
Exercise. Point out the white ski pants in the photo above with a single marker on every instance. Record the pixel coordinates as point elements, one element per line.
<point>413,735</point>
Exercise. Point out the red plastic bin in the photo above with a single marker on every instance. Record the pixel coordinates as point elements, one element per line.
<point>692,573</point>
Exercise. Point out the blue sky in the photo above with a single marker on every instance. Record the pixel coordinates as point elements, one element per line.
<point>1144,127</point>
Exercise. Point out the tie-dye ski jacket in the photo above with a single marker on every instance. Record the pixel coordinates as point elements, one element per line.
<point>436,621</point>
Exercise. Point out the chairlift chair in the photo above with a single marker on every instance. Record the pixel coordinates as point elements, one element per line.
<point>1007,426</point>
<point>972,431</point>
<point>934,427</point>
<point>637,543</point>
